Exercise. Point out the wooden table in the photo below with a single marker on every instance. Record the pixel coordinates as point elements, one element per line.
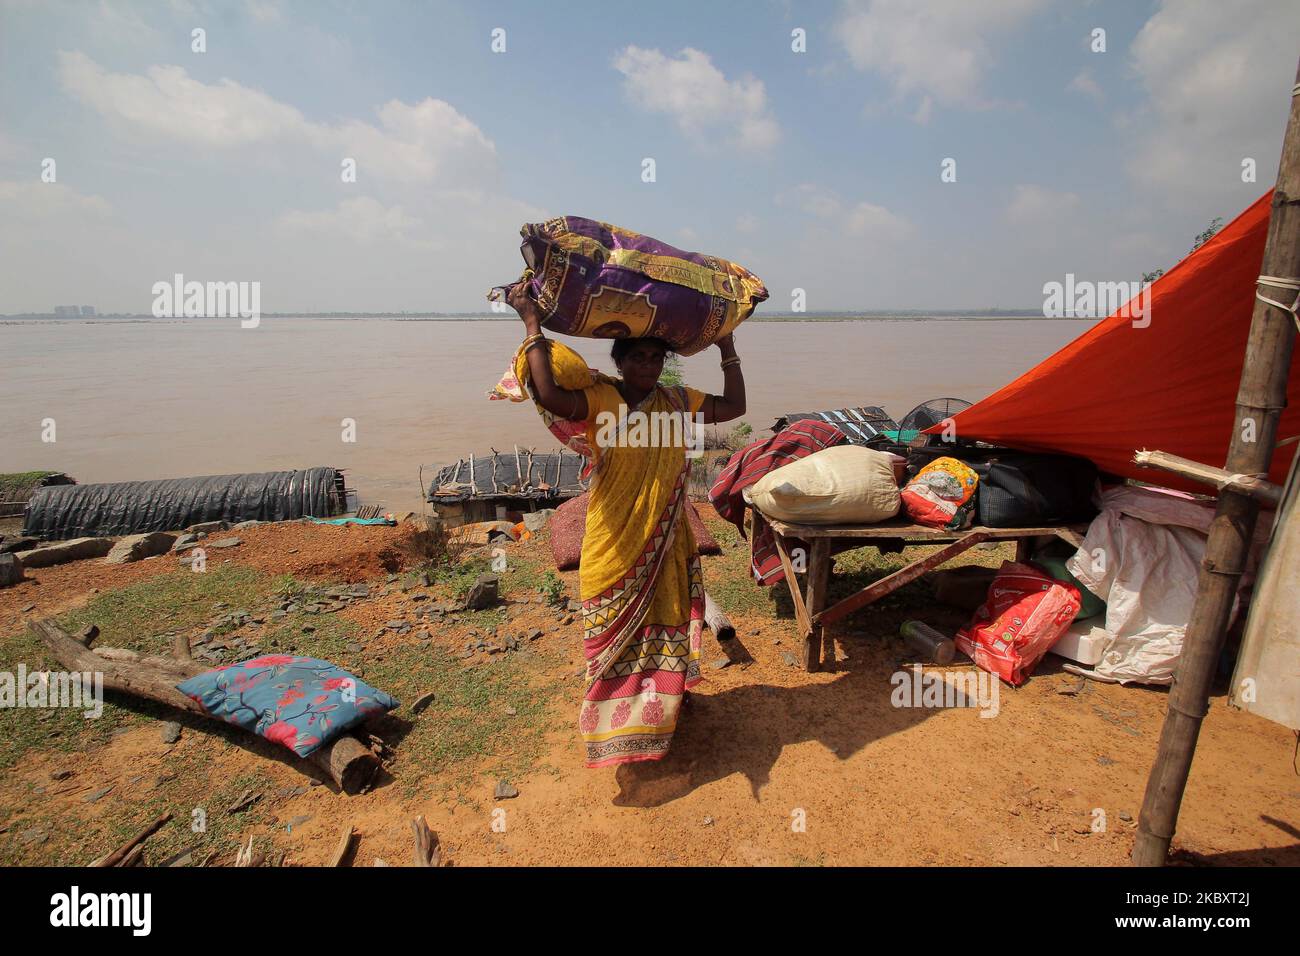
<point>824,540</point>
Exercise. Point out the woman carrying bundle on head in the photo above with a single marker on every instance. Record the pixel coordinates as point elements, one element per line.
<point>640,584</point>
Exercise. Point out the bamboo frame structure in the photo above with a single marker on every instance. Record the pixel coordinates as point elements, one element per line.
<point>1261,397</point>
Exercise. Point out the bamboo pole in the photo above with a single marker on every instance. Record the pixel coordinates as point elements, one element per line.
<point>1265,492</point>
<point>1260,400</point>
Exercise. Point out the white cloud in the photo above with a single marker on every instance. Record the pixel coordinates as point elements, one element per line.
<point>167,103</point>
<point>1219,79</point>
<point>422,142</point>
<point>264,11</point>
<point>813,200</point>
<point>1036,205</point>
<point>1085,84</point>
<point>362,219</point>
<point>429,141</point>
<point>746,224</point>
<point>698,96</point>
<point>938,50</point>
<point>36,201</point>
<point>860,219</point>
<point>868,219</point>
<point>118,23</point>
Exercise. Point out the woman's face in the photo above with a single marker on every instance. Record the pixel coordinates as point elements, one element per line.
<point>642,366</point>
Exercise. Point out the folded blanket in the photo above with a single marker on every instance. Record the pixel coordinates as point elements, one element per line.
<point>754,461</point>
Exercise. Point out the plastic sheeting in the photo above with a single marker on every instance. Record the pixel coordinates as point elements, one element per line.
<point>1168,381</point>
<point>170,504</point>
<point>1142,556</point>
<point>1146,574</point>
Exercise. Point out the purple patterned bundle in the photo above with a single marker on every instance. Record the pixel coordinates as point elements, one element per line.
<point>595,280</point>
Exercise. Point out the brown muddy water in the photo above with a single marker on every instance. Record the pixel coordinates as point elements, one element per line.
<point>159,398</point>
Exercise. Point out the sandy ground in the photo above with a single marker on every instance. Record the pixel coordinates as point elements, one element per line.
<point>770,766</point>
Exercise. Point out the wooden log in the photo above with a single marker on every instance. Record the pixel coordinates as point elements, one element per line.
<point>717,619</point>
<point>117,856</point>
<point>115,653</point>
<point>349,763</point>
<point>133,858</point>
<point>427,851</point>
<point>1265,492</point>
<point>346,839</point>
<point>1265,371</point>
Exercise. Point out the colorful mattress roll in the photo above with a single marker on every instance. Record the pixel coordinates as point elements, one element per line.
<point>595,280</point>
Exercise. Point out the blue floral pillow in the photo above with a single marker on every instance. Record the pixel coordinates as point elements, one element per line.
<point>299,702</point>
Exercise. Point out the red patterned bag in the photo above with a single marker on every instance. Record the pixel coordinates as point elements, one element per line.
<point>1024,614</point>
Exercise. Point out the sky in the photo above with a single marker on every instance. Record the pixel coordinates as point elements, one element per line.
<point>806,141</point>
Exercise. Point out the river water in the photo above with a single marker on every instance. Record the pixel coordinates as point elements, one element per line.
<point>159,398</point>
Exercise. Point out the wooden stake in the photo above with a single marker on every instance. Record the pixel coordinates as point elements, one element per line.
<point>1260,400</point>
<point>117,856</point>
<point>245,856</point>
<point>346,839</point>
<point>427,852</point>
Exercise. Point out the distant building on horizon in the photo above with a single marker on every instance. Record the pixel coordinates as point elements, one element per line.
<point>74,310</point>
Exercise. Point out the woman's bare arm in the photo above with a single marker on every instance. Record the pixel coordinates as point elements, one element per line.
<point>564,402</point>
<point>731,403</point>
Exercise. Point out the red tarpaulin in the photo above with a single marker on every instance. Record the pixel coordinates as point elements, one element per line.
<point>1171,385</point>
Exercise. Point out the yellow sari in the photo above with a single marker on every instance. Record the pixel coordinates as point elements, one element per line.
<point>640,582</point>
<point>641,587</point>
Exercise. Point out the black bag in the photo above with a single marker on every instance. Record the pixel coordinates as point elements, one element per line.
<point>1021,490</point>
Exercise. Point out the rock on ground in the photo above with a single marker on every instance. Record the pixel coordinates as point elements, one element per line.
<point>75,549</point>
<point>535,521</point>
<point>505,791</point>
<point>185,541</point>
<point>207,527</point>
<point>10,544</point>
<point>135,547</point>
<point>11,572</point>
<point>484,593</point>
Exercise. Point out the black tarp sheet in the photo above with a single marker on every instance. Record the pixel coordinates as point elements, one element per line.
<point>171,504</point>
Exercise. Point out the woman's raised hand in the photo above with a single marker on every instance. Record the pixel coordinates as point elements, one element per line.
<point>518,299</point>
